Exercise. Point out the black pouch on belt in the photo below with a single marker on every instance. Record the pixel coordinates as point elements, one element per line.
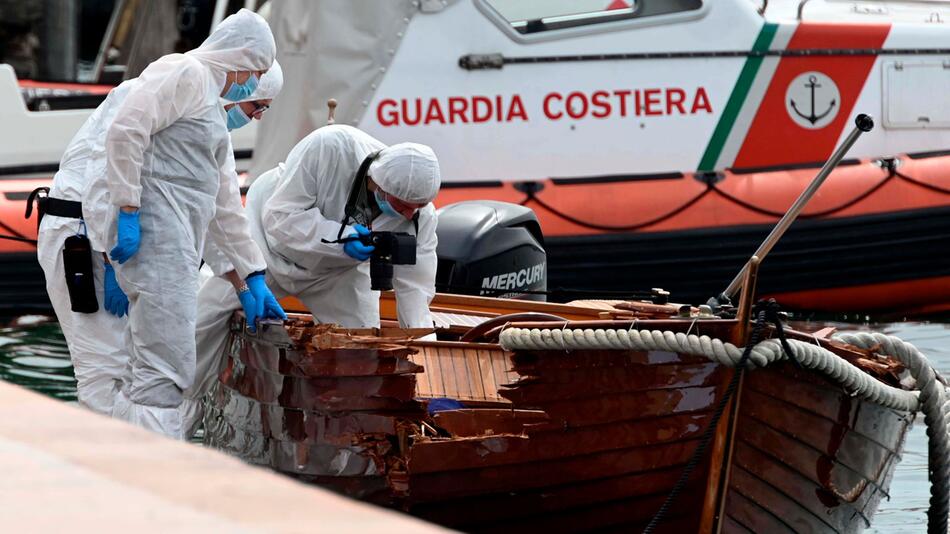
<point>77,262</point>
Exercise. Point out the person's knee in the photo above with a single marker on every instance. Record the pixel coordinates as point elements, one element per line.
<point>158,394</point>
<point>159,384</point>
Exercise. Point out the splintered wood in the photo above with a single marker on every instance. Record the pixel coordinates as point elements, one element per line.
<point>468,373</point>
<point>331,336</point>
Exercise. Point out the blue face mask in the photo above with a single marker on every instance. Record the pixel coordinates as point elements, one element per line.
<point>237,117</point>
<point>242,91</point>
<point>385,206</point>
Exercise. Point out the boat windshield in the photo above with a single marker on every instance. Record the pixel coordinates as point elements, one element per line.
<point>526,16</point>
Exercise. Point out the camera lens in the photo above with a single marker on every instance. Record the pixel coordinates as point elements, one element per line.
<point>380,274</point>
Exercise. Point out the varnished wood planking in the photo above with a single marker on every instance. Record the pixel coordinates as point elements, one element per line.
<point>559,443</point>
<point>437,455</point>
<point>779,505</point>
<point>466,374</point>
<point>439,484</point>
<point>565,384</point>
<point>821,472</point>
<point>475,375</point>
<point>626,405</point>
<point>816,447</point>
<point>424,380</point>
<point>502,369</point>
<point>731,526</point>
<point>824,398</point>
<point>487,375</point>
<point>822,469</point>
<point>435,382</point>
<point>801,493</point>
<point>835,439</point>
<point>458,377</point>
<point>750,516</point>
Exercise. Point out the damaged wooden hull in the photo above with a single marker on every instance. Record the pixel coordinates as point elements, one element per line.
<point>808,456</point>
<point>553,440</point>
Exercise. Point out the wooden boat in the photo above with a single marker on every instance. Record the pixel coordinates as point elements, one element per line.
<point>556,440</point>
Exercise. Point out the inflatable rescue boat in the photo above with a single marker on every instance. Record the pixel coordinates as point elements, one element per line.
<point>658,142</point>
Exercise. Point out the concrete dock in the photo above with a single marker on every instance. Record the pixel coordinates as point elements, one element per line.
<point>66,469</point>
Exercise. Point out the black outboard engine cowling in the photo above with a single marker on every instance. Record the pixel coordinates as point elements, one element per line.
<point>492,249</point>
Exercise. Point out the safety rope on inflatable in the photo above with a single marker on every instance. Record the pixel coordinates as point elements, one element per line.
<point>816,215</point>
<point>931,396</point>
<point>531,197</point>
<point>711,188</point>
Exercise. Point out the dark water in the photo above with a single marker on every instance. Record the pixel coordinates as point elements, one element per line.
<point>34,355</point>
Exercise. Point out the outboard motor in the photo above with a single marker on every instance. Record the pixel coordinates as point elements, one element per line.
<point>490,248</point>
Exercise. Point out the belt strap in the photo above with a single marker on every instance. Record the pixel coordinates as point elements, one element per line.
<point>46,204</point>
<point>63,208</point>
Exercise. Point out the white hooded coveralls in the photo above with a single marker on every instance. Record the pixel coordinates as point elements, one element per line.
<point>96,341</point>
<point>298,203</point>
<point>165,148</point>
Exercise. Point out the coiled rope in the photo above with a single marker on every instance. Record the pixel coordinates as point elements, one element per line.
<point>931,396</point>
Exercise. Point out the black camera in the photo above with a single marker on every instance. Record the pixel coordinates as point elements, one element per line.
<point>391,248</point>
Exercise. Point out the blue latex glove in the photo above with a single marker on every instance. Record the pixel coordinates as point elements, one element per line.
<point>116,301</point>
<point>266,305</point>
<point>129,237</point>
<point>355,249</point>
<point>249,303</point>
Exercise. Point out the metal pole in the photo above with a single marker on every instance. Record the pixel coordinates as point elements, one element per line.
<point>863,123</point>
<point>107,40</point>
<point>60,36</point>
<point>219,8</point>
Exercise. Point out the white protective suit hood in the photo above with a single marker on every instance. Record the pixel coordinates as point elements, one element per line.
<point>408,171</point>
<point>242,42</point>
<point>271,83</point>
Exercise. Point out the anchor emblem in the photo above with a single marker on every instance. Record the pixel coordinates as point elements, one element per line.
<point>812,118</point>
<point>806,98</point>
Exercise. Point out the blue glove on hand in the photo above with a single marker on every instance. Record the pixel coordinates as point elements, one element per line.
<point>266,305</point>
<point>355,249</point>
<point>116,301</point>
<point>129,237</point>
<point>250,308</point>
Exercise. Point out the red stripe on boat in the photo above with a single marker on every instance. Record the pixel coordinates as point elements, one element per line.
<point>773,129</point>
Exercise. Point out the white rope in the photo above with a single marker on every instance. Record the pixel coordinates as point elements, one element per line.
<point>934,404</point>
<point>931,397</point>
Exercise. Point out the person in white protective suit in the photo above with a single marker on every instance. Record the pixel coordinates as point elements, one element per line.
<point>294,207</point>
<point>169,177</point>
<point>96,341</point>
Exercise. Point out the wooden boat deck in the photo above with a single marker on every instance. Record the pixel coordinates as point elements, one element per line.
<point>471,373</point>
